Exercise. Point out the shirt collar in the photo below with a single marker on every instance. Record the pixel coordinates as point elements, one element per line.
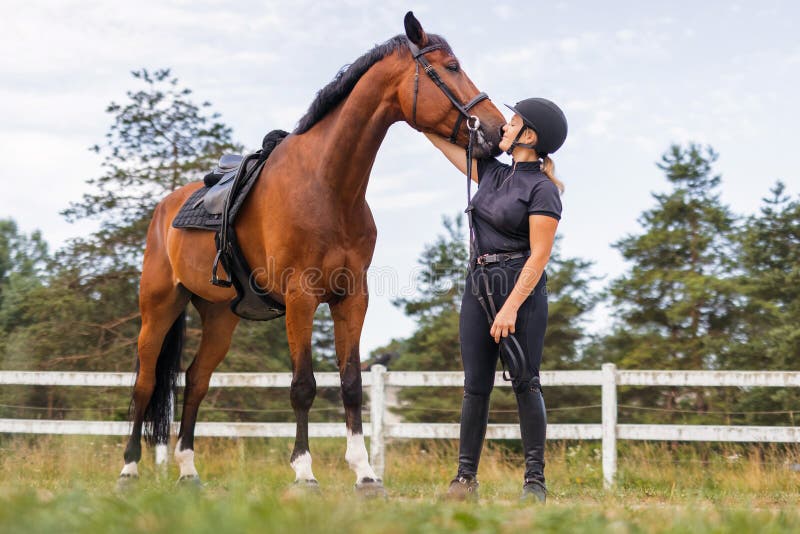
<point>527,165</point>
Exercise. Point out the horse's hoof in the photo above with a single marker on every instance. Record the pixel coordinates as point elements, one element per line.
<point>370,488</point>
<point>127,482</point>
<point>303,488</point>
<point>310,485</point>
<point>190,481</point>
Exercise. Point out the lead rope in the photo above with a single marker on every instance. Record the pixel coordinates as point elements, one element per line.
<point>515,354</point>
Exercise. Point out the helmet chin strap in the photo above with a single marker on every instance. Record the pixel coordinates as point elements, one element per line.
<point>515,143</point>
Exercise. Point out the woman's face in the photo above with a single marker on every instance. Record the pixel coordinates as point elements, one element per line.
<point>510,131</point>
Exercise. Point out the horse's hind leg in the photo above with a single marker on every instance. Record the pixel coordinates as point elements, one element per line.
<point>160,337</point>
<point>219,323</point>
<point>348,319</point>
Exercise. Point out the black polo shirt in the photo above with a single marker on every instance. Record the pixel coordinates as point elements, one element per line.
<point>507,195</point>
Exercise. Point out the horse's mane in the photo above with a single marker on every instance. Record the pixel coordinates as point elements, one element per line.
<point>342,84</point>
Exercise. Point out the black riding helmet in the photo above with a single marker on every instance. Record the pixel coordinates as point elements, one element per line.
<point>544,118</point>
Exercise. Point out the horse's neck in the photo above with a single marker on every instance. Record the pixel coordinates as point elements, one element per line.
<point>352,134</point>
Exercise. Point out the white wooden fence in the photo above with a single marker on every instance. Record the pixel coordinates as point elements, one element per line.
<point>379,430</point>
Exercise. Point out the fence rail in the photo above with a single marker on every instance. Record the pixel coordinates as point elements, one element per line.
<point>379,429</point>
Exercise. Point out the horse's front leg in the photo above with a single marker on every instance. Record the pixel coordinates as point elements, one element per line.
<point>348,319</point>
<point>300,309</point>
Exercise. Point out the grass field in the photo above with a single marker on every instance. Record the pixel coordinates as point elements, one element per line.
<point>67,484</point>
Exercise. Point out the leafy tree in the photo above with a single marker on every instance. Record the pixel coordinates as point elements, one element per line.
<point>23,260</point>
<point>19,253</point>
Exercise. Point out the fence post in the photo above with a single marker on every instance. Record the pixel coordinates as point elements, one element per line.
<point>376,409</point>
<point>162,449</point>
<point>609,400</point>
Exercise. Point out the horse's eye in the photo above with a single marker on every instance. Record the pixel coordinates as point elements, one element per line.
<point>452,67</point>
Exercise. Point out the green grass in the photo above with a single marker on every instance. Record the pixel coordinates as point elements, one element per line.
<point>67,484</point>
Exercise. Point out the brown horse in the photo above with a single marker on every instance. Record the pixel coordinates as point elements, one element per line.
<point>308,235</point>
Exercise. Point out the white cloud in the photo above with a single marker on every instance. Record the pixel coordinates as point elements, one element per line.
<point>626,35</point>
<point>503,11</point>
<point>600,123</point>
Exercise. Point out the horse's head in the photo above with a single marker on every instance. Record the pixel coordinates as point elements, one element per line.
<point>440,96</point>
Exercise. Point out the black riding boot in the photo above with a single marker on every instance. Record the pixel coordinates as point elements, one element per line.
<point>474,418</point>
<point>533,423</point>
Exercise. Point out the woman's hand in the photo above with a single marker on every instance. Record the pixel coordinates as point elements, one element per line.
<point>503,324</point>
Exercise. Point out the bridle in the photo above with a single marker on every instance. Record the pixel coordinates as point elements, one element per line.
<point>473,123</point>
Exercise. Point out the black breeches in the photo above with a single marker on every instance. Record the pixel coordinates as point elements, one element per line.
<point>479,352</point>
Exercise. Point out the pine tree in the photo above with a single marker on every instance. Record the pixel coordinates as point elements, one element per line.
<point>79,311</point>
<point>159,140</point>
<point>84,313</point>
<point>676,306</point>
<point>768,338</point>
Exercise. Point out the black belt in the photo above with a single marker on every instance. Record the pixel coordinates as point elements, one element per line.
<point>487,259</point>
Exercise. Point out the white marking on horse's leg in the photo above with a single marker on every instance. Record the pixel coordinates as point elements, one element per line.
<point>130,470</point>
<point>185,459</point>
<point>357,457</point>
<point>302,467</point>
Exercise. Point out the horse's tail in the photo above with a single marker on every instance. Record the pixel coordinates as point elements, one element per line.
<point>158,414</point>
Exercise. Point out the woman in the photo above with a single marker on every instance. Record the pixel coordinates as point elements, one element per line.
<point>514,215</point>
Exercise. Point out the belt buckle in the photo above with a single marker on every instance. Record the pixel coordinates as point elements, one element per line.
<point>487,258</point>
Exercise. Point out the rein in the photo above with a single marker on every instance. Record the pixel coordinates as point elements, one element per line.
<point>515,364</point>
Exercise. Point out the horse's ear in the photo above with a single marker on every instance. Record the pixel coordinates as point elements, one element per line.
<point>414,30</point>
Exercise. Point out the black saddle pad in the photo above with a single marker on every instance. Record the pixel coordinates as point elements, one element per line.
<point>194,215</point>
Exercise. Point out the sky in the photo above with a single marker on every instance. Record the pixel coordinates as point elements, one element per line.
<point>632,78</point>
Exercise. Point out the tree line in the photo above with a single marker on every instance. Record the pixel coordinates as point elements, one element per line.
<point>704,288</point>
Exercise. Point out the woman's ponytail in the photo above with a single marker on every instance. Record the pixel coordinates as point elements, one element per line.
<point>549,168</point>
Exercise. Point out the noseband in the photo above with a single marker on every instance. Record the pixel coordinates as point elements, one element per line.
<point>473,123</point>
